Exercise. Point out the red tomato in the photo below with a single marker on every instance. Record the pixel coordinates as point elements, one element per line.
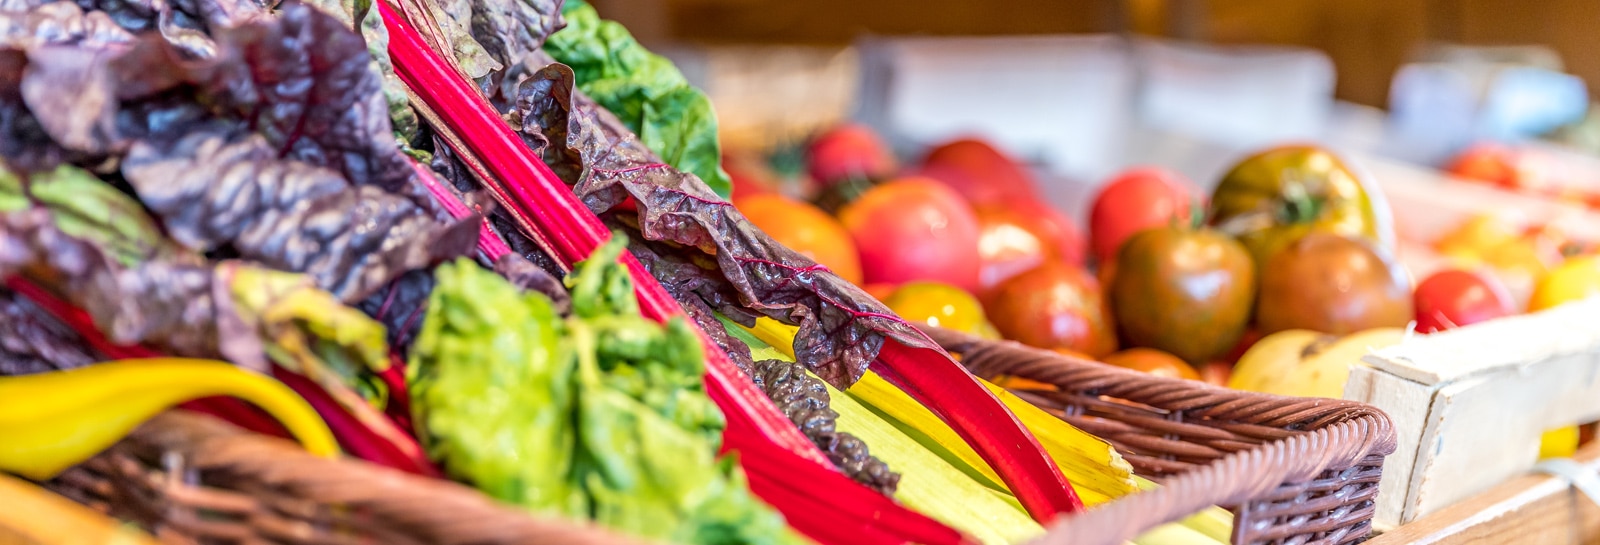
<point>980,172</point>
<point>1018,235</point>
<point>848,151</point>
<point>1454,298</point>
<point>914,229</point>
<point>1055,305</point>
<point>1486,162</point>
<point>1504,166</point>
<point>1136,200</point>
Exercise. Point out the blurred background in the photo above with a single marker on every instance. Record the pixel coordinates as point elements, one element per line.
<point>1085,88</point>
<point>1419,95</point>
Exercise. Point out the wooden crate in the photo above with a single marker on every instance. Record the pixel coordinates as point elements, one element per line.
<point>1469,405</point>
<point>1534,508</point>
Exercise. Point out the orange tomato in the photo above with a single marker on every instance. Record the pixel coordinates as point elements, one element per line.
<point>1476,236</point>
<point>1072,353</point>
<point>1018,383</point>
<point>880,291</point>
<point>806,229</point>
<point>1216,373</point>
<point>1152,361</point>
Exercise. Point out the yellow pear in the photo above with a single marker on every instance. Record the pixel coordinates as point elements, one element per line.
<point>1306,363</point>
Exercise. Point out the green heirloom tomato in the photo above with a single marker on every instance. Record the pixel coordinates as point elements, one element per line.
<point>1276,196</point>
<point>1188,292</point>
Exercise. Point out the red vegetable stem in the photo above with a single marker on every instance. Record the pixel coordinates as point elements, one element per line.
<point>238,413</point>
<point>532,192</point>
<point>776,475</point>
<point>822,531</point>
<point>985,423</point>
<point>398,409</point>
<point>488,242</point>
<point>573,232</point>
<point>353,437</point>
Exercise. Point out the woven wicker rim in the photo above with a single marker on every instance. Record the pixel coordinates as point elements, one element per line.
<point>1304,439</point>
<point>195,479</point>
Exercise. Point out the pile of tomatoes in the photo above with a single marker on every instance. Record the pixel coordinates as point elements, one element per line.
<point>1166,279</point>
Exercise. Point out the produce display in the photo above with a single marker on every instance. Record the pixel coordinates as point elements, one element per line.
<point>470,262</point>
<point>496,245</point>
<point>1288,271</point>
<point>1524,169</point>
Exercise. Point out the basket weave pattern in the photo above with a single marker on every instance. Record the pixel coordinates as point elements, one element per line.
<point>192,479</point>
<point>1294,470</point>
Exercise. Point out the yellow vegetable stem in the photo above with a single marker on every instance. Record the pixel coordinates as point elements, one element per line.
<point>933,486</point>
<point>36,515</point>
<point>1096,471</point>
<point>53,421</point>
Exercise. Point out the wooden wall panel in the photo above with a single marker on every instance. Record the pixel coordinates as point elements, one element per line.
<point>1367,39</point>
<point>1571,27</point>
<point>841,21</point>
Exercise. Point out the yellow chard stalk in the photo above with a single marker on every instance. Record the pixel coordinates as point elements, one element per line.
<point>53,421</point>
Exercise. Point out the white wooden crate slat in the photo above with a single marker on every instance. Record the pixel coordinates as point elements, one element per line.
<point>1469,405</point>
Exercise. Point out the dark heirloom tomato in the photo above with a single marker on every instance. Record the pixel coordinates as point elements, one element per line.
<point>1053,306</point>
<point>1186,292</point>
<point>1274,197</point>
<point>1454,298</point>
<point>1332,284</point>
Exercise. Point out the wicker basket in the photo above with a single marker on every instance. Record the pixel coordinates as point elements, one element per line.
<point>193,479</point>
<point>1293,470</point>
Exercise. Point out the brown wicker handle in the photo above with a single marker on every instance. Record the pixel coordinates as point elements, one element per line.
<point>1236,479</point>
<point>1224,447</point>
<point>287,491</point>
<point>1090,379</point>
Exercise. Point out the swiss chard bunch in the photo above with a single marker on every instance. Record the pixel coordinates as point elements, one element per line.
<point>67,232</point>
<point>602,415</point>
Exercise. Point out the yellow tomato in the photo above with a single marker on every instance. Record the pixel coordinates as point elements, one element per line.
<point>940,305</point>
<point>1578,278</point>
<point>1476,236</point>
<point>1559,443</point>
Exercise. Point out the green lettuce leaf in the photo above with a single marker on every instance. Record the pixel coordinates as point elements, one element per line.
<point>601,415</point>
<point>642,89</point>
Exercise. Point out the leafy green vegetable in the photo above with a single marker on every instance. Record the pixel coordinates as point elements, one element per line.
<point>87,208</point>
<point>489,382</point>
<point>602,415</point>
<point>79,236</point>
<point>644,90</point>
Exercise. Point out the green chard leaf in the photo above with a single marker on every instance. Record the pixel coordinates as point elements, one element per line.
<point>644,90</point>
<point>84,207</point>
<point>82,237</point>
<point>602,415</point>
<point>491,386</point>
